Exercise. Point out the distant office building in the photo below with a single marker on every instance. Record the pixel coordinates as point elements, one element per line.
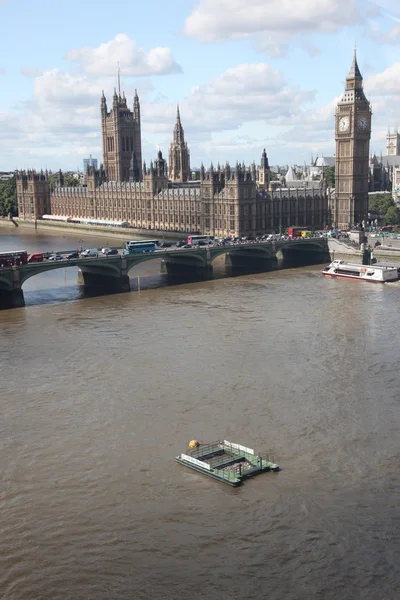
<point>89,162</point>
<point>393,143</point>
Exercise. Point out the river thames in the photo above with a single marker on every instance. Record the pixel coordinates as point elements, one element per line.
<point>98,395</point>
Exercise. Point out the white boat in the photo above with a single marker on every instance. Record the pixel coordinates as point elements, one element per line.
<point>376,273</point>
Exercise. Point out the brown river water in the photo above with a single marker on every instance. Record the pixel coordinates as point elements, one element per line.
<point>98,395</point>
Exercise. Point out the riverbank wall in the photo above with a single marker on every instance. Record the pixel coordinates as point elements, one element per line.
<point>8,223</point>
<point>94,230</point>
<point>341,250</point>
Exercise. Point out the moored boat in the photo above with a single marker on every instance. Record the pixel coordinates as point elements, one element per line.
<point>376,273</point>
<point>225,461</point>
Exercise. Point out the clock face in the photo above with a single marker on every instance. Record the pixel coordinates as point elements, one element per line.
<point>344,124</point>
<point>362,123</point>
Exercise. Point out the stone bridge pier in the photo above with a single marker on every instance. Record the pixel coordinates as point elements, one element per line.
<point>11,294</point>
<point>99,280</point>
<point>182,267</point>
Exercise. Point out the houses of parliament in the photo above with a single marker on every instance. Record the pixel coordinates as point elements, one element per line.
<point>220,201</point>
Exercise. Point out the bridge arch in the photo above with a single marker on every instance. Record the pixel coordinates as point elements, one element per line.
<point>188,258</point>
<point>107,268</point>
<point>301,253</point>
<point>253,250</point>
<point>246,258</point>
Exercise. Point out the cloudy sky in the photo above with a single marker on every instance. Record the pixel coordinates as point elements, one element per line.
<point>247,74</point>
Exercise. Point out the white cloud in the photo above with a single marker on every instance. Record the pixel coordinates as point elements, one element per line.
<point>59,88</point>
<point>132,59</point>
<point>248,92</point>
<point>9,126</point>
<point>219,112</point>
<point>387,82</point>
<point>392,36</point>
<point>245,93</point>
<point>271,23</point>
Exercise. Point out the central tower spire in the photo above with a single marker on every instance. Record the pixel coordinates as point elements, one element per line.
<point>179,156</point>
<point>179,136</point>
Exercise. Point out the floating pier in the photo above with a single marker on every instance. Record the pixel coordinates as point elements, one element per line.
<point>225,461</point>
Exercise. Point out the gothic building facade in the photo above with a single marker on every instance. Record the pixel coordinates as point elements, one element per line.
<point>222,201</point>
<point>352,134</point>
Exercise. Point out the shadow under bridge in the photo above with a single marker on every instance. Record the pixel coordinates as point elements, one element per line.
<point>191,264</point>
<point>300,253</point>
<point>246,258</point>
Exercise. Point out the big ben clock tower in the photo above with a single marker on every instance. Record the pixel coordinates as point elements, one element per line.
<point>352,134</point>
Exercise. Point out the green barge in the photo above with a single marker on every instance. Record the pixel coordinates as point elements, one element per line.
<point>225,461</point>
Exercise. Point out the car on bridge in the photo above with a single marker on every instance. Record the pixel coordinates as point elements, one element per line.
<point>108,251</point>
<point>71,255</point>
<point>38,257</point>
<point>56,257</point>
<point>90,253</point>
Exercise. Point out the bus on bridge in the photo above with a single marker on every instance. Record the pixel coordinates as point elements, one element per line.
<point>201,240</point>
<point>142,246</point>
<point>16,257</point>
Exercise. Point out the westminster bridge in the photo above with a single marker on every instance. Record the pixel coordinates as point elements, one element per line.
<point>109,274</point>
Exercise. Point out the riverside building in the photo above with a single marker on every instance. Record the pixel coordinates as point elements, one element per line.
<point>221,201</point>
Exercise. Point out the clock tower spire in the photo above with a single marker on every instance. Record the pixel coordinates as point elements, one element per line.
<point>352,135</point>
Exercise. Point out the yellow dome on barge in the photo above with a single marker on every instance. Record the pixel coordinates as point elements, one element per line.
<point>194,444</point>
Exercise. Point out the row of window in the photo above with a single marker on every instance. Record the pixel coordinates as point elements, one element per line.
<point>61,208</point>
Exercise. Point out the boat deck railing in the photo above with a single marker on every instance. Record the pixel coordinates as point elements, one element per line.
<point>207,451</point>
<point>232,463</point>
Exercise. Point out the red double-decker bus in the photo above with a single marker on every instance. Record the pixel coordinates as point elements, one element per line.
<point>15,257</point>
